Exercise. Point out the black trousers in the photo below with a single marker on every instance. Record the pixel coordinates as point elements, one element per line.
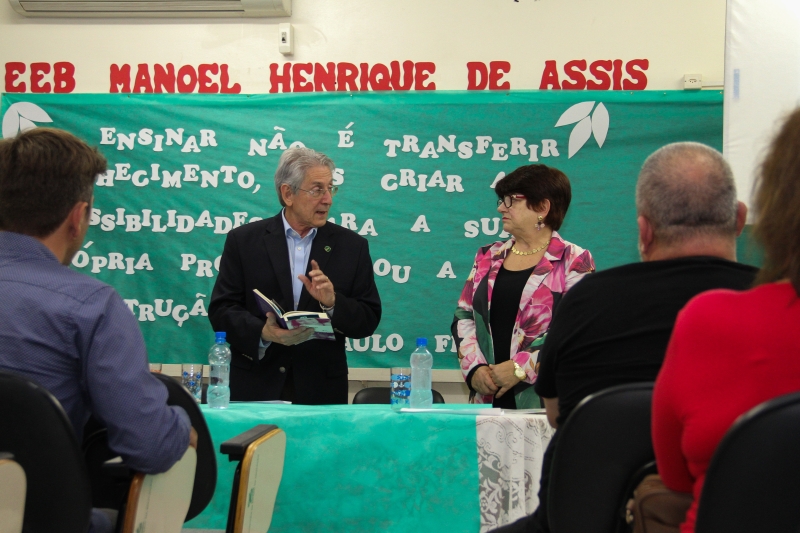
<point>287,394</point>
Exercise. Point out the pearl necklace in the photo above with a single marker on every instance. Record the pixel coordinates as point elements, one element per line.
<point>531,252</point>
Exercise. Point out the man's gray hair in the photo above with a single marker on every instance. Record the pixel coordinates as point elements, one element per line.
<point>686,190</point>
<point>294,164</point>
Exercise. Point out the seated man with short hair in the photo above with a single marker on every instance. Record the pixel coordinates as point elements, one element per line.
<point>69,332</point>
<point>613,327</point>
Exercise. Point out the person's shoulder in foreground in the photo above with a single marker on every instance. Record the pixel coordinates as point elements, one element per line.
<point>761,309</point>
<point>682,269</point>
<point>626,287</point>
<point>730,351</point>
<point>24,259</point>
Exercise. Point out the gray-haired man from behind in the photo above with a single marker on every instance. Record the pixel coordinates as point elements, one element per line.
<point>305,263</point>
<point>69,332</point>
<point>613,327</point>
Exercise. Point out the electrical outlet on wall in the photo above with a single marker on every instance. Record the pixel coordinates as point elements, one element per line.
<point>285,38</point>
<point>692,81</point>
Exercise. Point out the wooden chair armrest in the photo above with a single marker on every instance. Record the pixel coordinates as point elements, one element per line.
<point>236,447</point>
<point>257,479</point>
<point>159,502</point>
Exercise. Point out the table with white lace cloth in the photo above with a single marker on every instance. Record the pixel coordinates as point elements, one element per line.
<point>510,452</point>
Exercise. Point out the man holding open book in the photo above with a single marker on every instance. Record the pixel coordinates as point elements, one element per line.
<point>320,273</point>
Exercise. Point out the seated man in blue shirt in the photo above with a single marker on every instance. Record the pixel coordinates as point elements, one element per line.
<point>69,332</point>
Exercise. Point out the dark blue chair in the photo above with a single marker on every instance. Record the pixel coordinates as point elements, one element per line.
<point>753,481</point>
<point>382,395</point>
<point>598,451</point>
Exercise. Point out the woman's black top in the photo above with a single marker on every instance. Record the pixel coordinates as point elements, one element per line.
<point>506,294</point>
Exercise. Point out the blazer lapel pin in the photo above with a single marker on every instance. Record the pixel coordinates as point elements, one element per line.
<point>327,248</point>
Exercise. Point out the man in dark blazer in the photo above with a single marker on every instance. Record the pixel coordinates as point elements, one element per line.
<point>304,263</point>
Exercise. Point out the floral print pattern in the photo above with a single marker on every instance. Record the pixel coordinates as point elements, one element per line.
<point>510,455</point>
<point>562,265</point>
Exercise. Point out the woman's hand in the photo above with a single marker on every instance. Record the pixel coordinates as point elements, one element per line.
<point>482,382</point>
<point>503,376</point>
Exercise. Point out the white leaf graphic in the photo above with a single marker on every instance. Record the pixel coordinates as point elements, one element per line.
<point>580,134</point>
<point>25,124</point>
<point>22,116</point>
<point>600,122</point>
<point>575,113</point>
<point>32,112</point>
<point>10,123</point>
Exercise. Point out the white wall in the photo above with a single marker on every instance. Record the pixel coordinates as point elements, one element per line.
<point>675,36</point>
<point>762,72</point>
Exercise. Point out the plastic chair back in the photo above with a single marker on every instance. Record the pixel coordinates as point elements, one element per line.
<point>753,481</point>
<point>601,446</point>
<point>159,502</point>
<point>12,494</point>
<point>205,478</point>
<point>261,452</point>
<point>36,430</point>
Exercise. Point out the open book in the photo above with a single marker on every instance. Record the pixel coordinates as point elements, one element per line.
<point>319,322</point>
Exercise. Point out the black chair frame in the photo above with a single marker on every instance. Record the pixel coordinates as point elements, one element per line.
<point>111,480</point>
<point>598,451</point>
<point>58,497</point>
<point>752,482</point>
<point>382,395</point>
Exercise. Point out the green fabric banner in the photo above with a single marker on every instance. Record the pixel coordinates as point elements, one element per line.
<point>358,468</point>
<point>415,174</point>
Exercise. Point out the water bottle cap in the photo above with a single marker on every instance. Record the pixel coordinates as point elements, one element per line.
<point>422,341</point>
<point>220,335</point>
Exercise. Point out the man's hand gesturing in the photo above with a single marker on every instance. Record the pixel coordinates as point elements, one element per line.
<point>319,286</point>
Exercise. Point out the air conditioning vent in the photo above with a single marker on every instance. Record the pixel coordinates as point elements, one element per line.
<point>152,8</point>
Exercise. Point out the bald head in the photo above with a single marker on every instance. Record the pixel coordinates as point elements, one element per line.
<point>686,191</point>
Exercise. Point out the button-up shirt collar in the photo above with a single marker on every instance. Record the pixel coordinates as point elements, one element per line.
<point>299,252</point>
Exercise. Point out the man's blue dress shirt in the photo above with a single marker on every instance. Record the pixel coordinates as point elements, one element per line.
<point>75,336</point>
<point>299,252</point>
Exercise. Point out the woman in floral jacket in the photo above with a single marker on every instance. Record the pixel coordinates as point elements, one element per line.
<point>521,281</point>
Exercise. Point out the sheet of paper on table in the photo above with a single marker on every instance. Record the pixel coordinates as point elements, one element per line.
<point>490,411</point>
<point>262,401</point>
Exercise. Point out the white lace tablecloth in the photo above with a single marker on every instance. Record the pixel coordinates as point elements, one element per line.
<point>510,452</point>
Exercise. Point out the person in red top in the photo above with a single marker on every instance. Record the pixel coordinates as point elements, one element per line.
<point>731,351</point>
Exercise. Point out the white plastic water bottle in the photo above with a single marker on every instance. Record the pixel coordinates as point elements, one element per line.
<point>219,357</point>
<point>421,365</point>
